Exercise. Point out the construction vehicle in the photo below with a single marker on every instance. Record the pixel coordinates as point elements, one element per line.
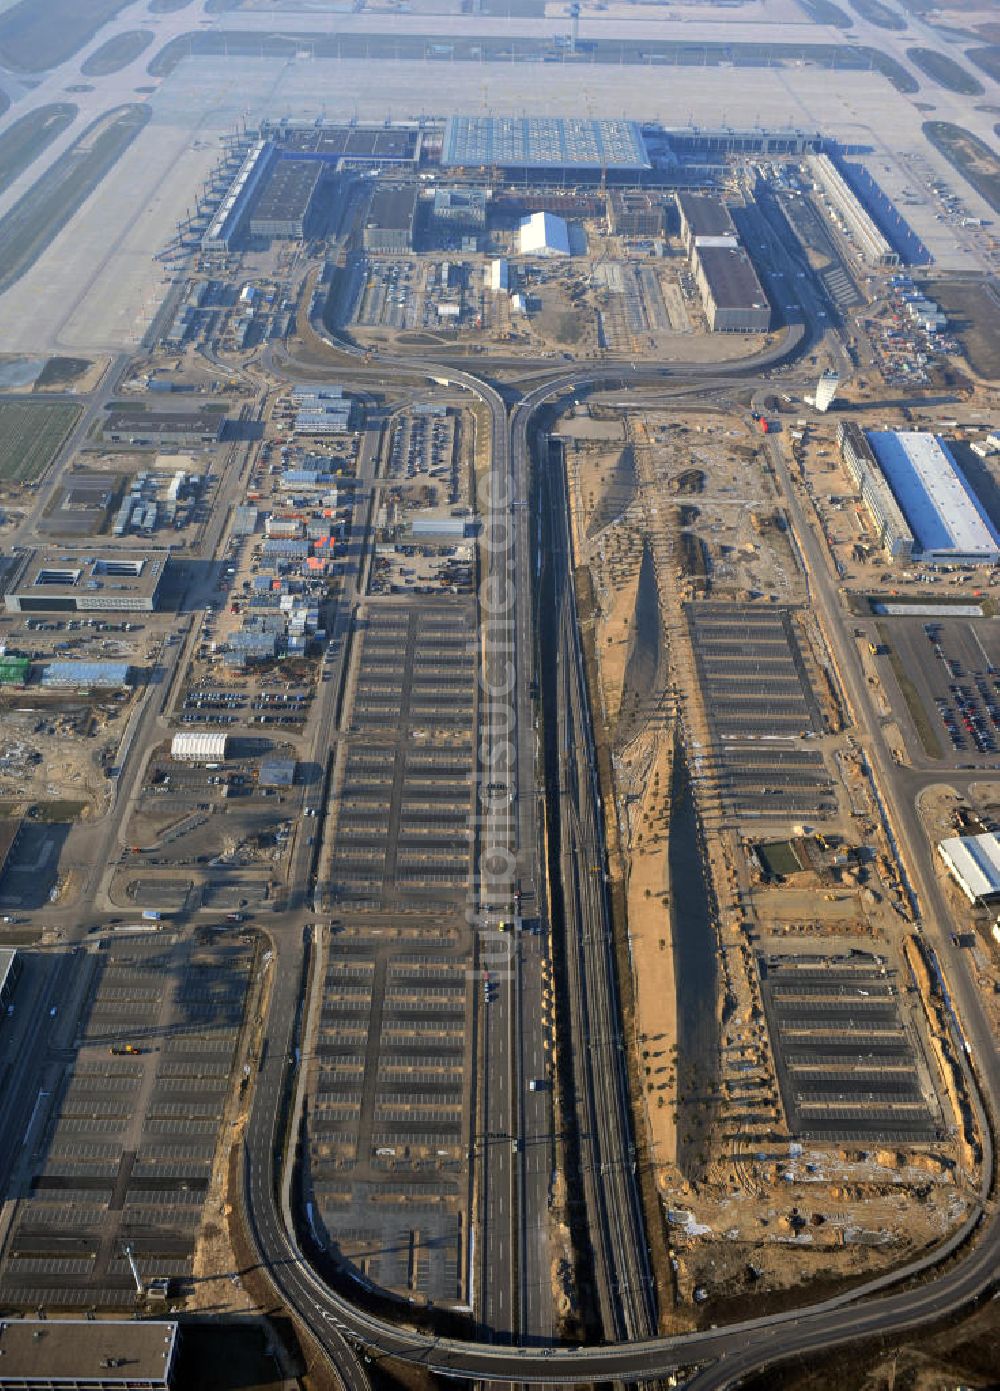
<point>124,1050</point>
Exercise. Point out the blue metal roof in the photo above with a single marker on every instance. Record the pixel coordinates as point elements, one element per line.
<point>86,674</point>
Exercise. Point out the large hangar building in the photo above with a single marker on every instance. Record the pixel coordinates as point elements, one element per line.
<point>948,522</point>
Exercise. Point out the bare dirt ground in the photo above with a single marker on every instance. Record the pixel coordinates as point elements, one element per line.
<point>763,1216</point>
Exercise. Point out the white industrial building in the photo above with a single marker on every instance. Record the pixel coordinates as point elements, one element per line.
<point>974,862</point>
<point>544,234</point>
<point>197,746</point>
<point>499,276</point>
<point>884,512</point>
<point>873,247</point>
<point>948,522</point>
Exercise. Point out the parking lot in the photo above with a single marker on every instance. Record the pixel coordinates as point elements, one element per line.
<point>127,1150</point>
<point>423,448</point>
<point>950,670</point>
<point>391,295</point>
<point>403,786</point>
<point>849,1067</point>
<point>390,1116</point>
<point>760,704</point>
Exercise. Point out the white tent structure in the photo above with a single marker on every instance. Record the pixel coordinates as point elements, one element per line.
<point>198,747</point>
<point>544,234</point>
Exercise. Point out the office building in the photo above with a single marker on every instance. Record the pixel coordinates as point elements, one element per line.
<point>54,582</point>
<point>702,215</point>
<point>391,218</point>
<point>282,208</point>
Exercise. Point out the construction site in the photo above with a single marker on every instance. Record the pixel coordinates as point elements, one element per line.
<point>800,1097</point>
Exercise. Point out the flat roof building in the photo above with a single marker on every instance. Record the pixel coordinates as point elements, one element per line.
<point>164,427</point>
<point>873,248</point>
<point>884,512</point>
<point>276,771</point>
<point>57,581</point>
<point>392,215</point>
<point>109,676</point>
<point>14,670</point>
<point>974,862</point>
<point>92,1355</point>
<point>347,144</point>
<point>732,295</point>
<point>948,522</point>
<point>703,216</point>
<point>543,234</point>
<point>286,199</point>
